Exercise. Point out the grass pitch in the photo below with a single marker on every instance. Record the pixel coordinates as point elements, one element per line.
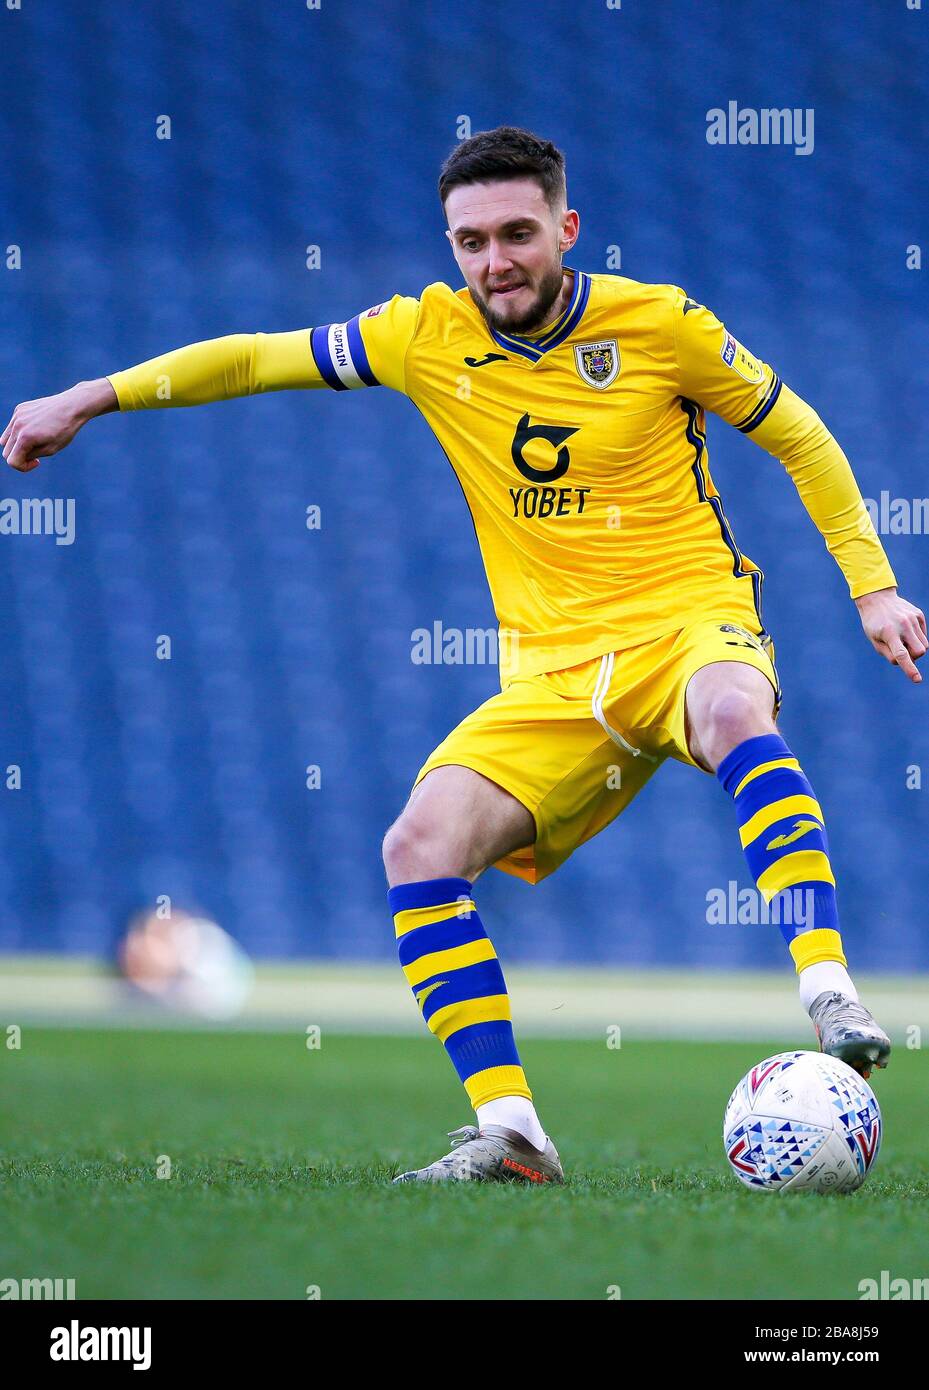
<point>281,1158</point>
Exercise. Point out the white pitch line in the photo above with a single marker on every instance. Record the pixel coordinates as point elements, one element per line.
<point>546,1002</point>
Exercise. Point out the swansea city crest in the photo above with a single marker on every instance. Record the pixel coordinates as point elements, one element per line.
<point>598,363</point>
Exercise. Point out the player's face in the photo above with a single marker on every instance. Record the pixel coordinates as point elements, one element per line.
<point>508,244</point>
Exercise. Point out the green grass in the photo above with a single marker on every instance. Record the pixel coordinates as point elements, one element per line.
<point>282,1158</point>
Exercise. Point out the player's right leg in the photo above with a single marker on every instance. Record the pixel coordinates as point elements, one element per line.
<point>456,823</point>
<point>519,784</point>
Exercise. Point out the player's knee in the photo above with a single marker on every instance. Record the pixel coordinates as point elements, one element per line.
<point>397,847</point>
<point>732,717</point>
<point>414,850</point>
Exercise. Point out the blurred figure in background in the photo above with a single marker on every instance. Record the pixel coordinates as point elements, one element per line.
<point>187,963</point>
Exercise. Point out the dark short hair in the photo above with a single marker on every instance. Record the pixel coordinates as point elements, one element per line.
<point>505,153</point>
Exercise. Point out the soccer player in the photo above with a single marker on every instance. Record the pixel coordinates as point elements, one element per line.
<point>572,408</point>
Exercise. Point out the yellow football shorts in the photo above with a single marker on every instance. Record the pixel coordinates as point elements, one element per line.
<point>575,746</point>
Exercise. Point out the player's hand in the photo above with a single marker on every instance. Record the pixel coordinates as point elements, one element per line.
<point>897,629</point>
<point>40,428</point>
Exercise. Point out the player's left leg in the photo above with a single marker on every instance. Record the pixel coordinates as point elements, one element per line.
<point>731,730</point>
<point>455,824</point>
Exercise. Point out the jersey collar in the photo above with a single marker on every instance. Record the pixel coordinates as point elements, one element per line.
<point>534,349</point>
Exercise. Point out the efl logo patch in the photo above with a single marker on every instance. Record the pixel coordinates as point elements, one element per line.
<point>598,363</point>
<point>373,313</point>
<point>742,363</point>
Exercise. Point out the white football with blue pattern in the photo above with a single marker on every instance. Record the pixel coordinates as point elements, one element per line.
<point>802,1121</point>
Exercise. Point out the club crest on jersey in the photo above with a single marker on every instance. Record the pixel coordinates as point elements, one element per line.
<point>597,363</point>
<point>742,363</point>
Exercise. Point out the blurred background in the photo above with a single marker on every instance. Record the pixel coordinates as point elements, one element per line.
<point>144,781</point>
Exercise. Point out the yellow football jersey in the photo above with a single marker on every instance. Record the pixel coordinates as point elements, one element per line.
<point>581,451</point>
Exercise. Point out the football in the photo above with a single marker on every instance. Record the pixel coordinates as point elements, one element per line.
<point>801,1121</point>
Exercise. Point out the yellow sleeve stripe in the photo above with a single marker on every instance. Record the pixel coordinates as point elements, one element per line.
<point>413,917</point>
<point>765,767</point>
<point>494,1082</point>
<point>813,947</point>
<point>444,962</point>
<point>805,866</point>
<point>787,806</point>
<point>495,1008</point>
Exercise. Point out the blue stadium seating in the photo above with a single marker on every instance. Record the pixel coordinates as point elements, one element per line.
<point>293,127</point>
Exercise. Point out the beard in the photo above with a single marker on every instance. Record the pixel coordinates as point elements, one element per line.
<point>538,311</point>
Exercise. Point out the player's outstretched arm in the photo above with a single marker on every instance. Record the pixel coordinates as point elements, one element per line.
<point>218,369</point>
<point>368,350</point>
<point>38,429</point>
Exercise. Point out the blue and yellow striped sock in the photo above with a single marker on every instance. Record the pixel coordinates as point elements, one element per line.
<point>784,837</point>
<point>452,968</point>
